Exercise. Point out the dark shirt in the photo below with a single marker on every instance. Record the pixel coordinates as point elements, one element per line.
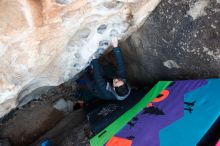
<point>101,82</point>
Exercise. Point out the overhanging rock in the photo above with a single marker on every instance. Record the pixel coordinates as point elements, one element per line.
<point>47,42</point>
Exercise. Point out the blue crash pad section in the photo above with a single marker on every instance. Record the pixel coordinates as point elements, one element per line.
<point>202,110</point>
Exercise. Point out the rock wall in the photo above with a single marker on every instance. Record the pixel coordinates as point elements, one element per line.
<point>47,42</point>
<point>179,40</point>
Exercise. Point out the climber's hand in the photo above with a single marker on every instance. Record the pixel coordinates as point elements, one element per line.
<point>115,42</point>
<point>94,56</point>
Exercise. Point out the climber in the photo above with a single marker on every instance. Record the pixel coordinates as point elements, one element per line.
<point>101,87</point>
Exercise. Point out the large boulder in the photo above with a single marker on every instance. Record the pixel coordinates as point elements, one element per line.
<point>179,40</point>
<point>47,42</point>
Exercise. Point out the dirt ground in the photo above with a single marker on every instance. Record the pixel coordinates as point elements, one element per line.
<point>39,120</point>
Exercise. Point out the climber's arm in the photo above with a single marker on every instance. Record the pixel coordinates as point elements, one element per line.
<point>119,59</point>
<point>100,81</point>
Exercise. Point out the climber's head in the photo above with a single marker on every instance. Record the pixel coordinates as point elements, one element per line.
<point>120,86</point>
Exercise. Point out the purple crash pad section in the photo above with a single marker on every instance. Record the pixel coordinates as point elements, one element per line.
<point>144,128</point>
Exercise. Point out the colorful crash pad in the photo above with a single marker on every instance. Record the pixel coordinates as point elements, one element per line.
<point>101,113</point>
<point>117,141</point>
<point>102,137</point>
<point>181,115</point>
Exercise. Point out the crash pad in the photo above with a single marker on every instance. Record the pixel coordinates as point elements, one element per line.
<point>101,113</point>
<point>179,114</point>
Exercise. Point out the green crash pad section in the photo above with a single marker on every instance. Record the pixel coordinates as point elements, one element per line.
<point>101,138</point>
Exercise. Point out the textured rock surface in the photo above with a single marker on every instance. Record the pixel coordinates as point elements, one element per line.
<point>47,42</point>
<point>30,123</point>
<point>180,40</point>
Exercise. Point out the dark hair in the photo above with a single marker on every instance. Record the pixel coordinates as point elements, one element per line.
<point>122,90</point>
